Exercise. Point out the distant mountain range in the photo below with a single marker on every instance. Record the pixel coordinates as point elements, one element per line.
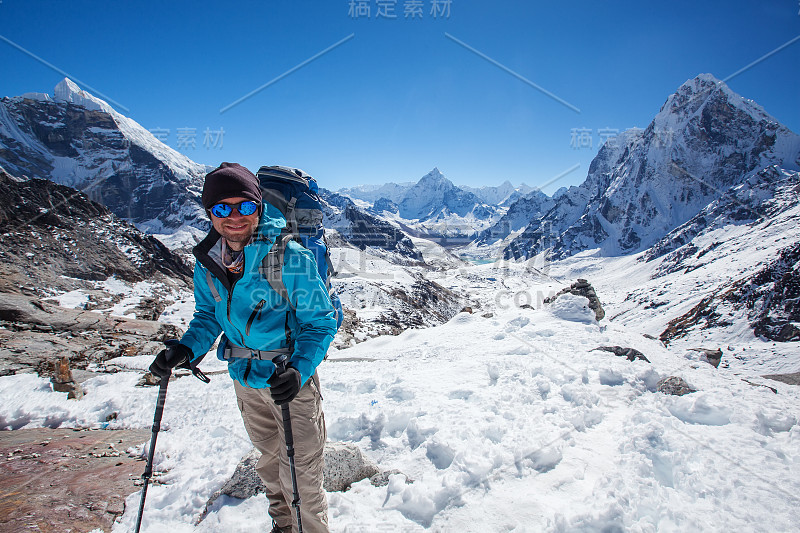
<point>504,194</point>
<point>641,189</point>
<point>434,207</point>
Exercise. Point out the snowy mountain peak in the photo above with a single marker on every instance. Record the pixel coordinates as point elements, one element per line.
<point>68,91</point>
<point>78,140</point>
<point>434,176</point>
<point>695,94</point>
<point>704,140</point>
<point>435,197</point>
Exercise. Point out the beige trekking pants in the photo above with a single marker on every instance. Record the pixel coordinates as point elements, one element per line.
<point>264,423</point>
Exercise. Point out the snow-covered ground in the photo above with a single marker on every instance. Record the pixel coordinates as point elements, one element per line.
<point>507,419</point>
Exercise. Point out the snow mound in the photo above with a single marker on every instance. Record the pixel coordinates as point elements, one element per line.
<point>573,308</point>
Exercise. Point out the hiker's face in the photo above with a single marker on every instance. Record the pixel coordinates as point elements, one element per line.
<point>235,228</point>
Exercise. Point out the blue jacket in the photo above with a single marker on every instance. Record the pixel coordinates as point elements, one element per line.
<point>252,315</point>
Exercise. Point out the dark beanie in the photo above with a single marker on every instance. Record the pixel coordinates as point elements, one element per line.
<point>230,180</point>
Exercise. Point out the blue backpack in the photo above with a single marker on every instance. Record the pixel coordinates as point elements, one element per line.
<point>296,195</point>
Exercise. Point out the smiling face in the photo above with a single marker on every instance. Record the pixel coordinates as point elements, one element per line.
<point>235,228</point>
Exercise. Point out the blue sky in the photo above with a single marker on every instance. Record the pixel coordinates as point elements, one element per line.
<point>399,96</point>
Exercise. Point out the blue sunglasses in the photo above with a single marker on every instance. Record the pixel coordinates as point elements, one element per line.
<point>248,207</point>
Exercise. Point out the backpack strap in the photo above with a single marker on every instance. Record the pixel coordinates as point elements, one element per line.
<point>331,269</point>
<point>291,217</point>
<point>272,268</point>
<point>211,287</point>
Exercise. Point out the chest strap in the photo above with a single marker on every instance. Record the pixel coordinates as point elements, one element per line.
<point>237,352</point>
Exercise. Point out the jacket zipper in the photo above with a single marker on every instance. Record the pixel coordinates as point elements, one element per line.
<point>230,298</point>
<point>256,311</point>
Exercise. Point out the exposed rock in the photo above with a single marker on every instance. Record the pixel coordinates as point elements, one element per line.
<point>345,464</point>
<point>705,140</point>
<point>384,204</point>
<point>50,478</point>
<point>148,380</point>
<point>149,309</point>
<point>35,332</point>
<point>675,386</point>
<point>426,304</point>
<point>630,353</point>
<point>381,479</point>
<point>79,140</point>
<point>585,289</point>
<point>466,310</point>
<point>62,372</point>
<point>702,313</point>
<point>773,389</point>
<point>789,379</point>
<point>245,481</point>
<point>770,298</point>
<point>346,336</point>
<point>62,379</point>
<point>362,229</point>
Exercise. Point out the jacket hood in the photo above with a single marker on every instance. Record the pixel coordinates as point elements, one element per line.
<point>271,222</point>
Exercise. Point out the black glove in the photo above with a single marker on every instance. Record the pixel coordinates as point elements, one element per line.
<point>170,357</point>
<point>284,387</point>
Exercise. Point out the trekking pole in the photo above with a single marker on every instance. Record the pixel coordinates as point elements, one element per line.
<point>148,471</point>
<point>280,365</point>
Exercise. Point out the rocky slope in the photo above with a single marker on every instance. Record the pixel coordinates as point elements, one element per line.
<point>54,238</point>
<point>54,241</point>
<point>35,333</point>
<point>762,196</point>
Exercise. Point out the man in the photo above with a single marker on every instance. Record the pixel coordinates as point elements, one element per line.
<point>232,297</point>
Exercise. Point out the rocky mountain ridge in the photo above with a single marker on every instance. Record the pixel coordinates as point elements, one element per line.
<point>75,139</point>
<point>643,184</point>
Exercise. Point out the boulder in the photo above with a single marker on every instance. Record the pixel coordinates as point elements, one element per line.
<point>63,381</point>
<point>582,288</point>
<point>345,464</point>
<point>675,386</point>
<point>244,482</point>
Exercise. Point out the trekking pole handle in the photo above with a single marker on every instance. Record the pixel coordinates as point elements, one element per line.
<point>280,362</point>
